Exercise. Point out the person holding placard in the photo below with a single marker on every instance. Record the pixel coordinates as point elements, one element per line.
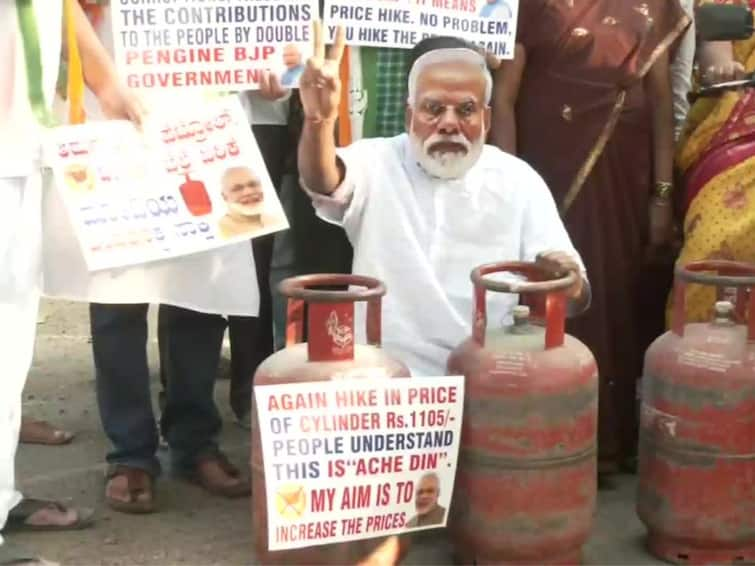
<point>190,334</point>
<point>31,40</point>
<point>424,208</point>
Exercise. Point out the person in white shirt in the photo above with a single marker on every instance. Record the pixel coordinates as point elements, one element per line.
<point>424,208</point>
<point>30,41</point>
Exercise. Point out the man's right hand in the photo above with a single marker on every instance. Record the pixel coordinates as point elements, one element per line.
<point>320,85</point>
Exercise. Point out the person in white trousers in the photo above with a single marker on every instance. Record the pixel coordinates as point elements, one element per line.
<point>31,41</point>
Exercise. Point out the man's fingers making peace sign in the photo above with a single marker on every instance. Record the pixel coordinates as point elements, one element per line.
<point>320,85</point>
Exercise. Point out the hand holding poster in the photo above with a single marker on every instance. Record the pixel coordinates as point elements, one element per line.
<point>224,46</point>
<point>192,180</point>
<point>490,24</point>
<point>357,458</point>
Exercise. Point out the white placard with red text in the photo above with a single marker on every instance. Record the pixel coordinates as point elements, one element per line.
<point>358,458</point>
<point>218,46</point>
<point>192,180</point>
<point>490,24</point>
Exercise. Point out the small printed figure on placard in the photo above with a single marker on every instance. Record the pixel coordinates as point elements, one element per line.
<point>496,9</point>
<point>429,511</point>
<point>291,502</point>
<point>79,177</point>
<point>245,198</point>
<point>294,62</point>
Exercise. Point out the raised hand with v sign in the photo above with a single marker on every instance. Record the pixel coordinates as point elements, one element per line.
<point>320,85</point>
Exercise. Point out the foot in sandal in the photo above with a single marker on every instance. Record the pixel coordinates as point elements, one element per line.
<point>42,432</point>
<point>46,515</point>
<point>130,490</point>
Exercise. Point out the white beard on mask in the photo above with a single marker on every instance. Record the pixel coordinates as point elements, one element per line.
<point>446,164</point>
<point>255,209</point>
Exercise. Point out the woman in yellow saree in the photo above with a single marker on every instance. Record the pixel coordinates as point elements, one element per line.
<point>717,158</point>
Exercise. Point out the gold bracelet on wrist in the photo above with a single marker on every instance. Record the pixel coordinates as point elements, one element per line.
<point>663,189</point>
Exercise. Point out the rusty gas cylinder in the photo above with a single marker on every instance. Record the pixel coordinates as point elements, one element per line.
<point>329,354</point>
<point>526,480</point>
<point>696,491</point>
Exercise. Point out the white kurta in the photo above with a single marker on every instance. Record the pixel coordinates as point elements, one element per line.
<point>422,237</point>
<point>20,195</point>
<point>222,281</point>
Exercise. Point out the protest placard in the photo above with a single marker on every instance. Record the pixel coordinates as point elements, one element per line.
<point>222,46</point>
<point>192,180</point>
<point>358,458</point>
<point>490,24</point>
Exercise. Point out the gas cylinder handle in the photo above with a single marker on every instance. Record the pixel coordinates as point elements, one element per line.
<point>735,274</point>
<point>298,292</point>
<point>727,273</point>
<point>541,282</point>
<point>299,288</point>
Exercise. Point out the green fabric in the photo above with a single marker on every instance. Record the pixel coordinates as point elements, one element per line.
<point>369,84</point>
<point>27,24</point>
<point>391,90</point>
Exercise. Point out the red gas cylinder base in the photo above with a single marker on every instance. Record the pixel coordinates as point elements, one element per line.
<point>680,552</point>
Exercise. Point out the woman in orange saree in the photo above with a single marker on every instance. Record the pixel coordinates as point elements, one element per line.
<point>717,158</point>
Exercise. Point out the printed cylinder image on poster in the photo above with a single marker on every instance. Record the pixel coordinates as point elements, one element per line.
<point>358,458</point>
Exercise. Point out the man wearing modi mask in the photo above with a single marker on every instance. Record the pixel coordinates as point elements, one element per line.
<point>424,208</point>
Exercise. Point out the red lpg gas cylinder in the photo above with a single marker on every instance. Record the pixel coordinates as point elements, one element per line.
<point>330,353</point>
<point>527,474</point>
<point>697,428</point>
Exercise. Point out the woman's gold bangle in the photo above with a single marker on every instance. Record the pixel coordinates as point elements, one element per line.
<point>663,189</point>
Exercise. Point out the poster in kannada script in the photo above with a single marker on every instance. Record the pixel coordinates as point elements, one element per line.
<point>358,458</point>
<point>192,180</point>
<point>213,45</point>
<point>490,24</point>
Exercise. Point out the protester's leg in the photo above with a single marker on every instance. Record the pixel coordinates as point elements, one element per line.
<point>19,298</point>
<point>191,421</point>
<point>17,339</point>
<point>242,332</point>
<point>20,249</point>
<point>119,344</point>
<point>190,354</point>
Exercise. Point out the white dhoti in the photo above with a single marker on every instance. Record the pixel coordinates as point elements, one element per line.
<point>20,251</point>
